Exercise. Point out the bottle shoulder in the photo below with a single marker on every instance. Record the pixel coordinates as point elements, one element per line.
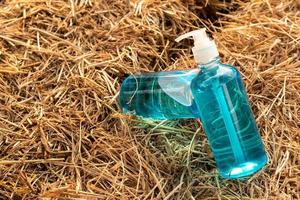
<point>220,74</point>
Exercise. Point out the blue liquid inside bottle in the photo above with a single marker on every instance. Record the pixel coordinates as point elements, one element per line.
<point>228,120</point>
<point>216,95</point>
<point>159,96</point>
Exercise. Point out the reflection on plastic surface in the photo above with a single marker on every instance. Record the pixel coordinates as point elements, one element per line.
<point>178,86</point>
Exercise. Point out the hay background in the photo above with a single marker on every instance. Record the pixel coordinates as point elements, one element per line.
<point>62,135</point>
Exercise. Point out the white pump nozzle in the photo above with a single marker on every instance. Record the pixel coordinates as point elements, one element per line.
<point>204,49</point>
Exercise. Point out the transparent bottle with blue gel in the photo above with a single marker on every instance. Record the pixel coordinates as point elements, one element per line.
<point>215,94</point>
<point>159,95</point>
<point>225,112</point>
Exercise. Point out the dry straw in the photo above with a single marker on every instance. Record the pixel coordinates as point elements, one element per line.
<point>62,135</point>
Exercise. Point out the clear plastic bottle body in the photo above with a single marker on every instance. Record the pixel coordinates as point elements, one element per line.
<point>160,95</point>
<point>228,120</point>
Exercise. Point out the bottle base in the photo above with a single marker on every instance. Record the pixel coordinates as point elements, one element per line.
<point>244,169</point>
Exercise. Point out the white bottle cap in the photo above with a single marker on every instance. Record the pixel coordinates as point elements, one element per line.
<point>204,50</point>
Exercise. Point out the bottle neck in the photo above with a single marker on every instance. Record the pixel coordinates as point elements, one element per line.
<point>210,65</point>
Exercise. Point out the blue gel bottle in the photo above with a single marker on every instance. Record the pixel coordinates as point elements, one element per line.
<point>159,95</point>
<point>225,112</point>
<point>215,94</point>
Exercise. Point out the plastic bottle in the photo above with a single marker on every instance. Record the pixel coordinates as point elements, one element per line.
<point>160,95</point>
<point>225,112</point>
<point>215,94</point>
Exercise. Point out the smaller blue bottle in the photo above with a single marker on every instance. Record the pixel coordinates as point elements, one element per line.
<point>159,95</point>
<point>225,112</point>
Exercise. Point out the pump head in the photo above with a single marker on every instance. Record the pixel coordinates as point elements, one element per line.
<point>204,49</point>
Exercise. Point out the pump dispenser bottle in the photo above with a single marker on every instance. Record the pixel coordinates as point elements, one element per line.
<point>216,95</point>
<point>225,112</point>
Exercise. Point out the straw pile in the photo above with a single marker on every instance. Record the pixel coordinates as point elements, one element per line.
<point>62,135</point>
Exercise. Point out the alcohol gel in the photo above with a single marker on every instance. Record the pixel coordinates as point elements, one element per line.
<point>215,94</point>
<point>228,120</point>
<point>160,95</point>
